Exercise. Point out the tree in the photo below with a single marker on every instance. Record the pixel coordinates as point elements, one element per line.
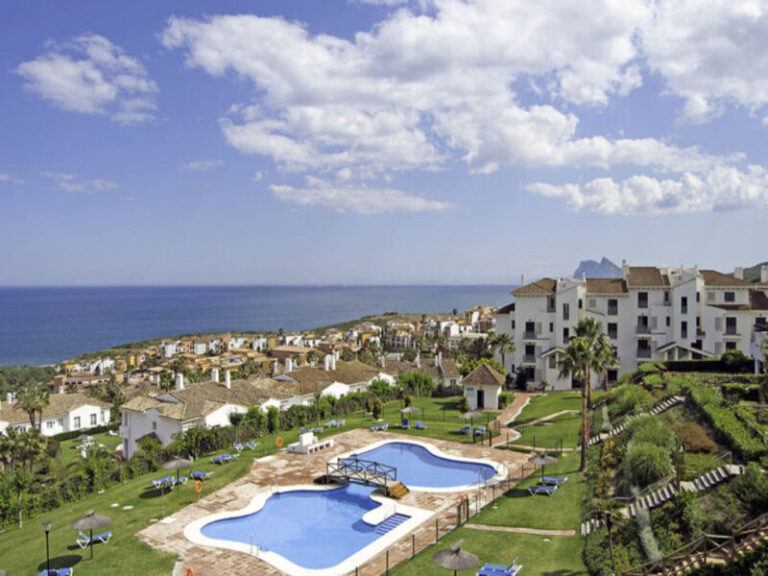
<point>469,366</point>
<point>376,408</point>
<point>416,383</point>
<point>273,419</point>
<point>605,358</point>
<point>166,382</point>
<point>610,511</point>
<point>576,363</point>
<point>21,481</point>
<point>348,355</point>
<point>504,343</point>
<point>32,400</point>
<point>589,328</point>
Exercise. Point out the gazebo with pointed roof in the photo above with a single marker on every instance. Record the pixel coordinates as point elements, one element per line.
<point>482,387</point>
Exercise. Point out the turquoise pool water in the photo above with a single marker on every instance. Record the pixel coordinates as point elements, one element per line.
<point>417,466</point>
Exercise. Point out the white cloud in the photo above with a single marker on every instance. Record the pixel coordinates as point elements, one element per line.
<point>711,53</point>
<point>203,165</point>
<point>258,176</point>
<point>723,188</point>
<point>9,178</point>
<point>70,183</point>
<point>92,76</point>
<point>358,199</point>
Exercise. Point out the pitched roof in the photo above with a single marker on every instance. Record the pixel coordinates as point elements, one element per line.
<point>646,276</point>
<point>606,286</point>
<point>58,405</point>
<point>715,278</point>
<point>310,378</point>
<point>758,300</point>
<point>506,309</point>
<point>483,375</point>
<point>538,288</point>
<point>448,368</point>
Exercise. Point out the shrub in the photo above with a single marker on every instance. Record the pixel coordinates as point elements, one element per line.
<point>627,398</point>
<point>606,426</point>
<point>646,463</point>
<point>649,429</point>
<point>645,535</point>
<point>751,488</point>
<point>694,438</point>
<point>653,380</point>
<point>377,408</point>
<point>463,404</point>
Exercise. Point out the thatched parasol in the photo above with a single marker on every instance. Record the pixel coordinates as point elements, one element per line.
<point>471,417</point>
<point>542,460</point>
<point>455,559</point>
<point>177,465</point>
<point>409,410</point>
<point>91,522</point>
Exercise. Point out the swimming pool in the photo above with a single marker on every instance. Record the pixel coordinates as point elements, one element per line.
<point>310,530</point>
<point>420,467</point>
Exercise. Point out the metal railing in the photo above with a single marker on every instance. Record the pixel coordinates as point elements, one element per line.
<point>362,471</point>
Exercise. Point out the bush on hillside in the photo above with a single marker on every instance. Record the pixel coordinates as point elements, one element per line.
<point>694,438</point>
<point>626,399</point>
<point>649,429</point>
<point>751,488</point>
<point>646,463</point>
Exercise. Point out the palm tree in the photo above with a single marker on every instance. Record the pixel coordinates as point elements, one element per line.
<point>589,328</point>
<point>32,400</point>
<point>605,358</point>
<point>610,511</point>
<point>504,343</point>
<point>32,445</point>
<point>576,363</point>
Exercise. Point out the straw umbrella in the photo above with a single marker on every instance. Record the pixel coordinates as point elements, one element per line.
<point>455,559</point>
<point>91,522</point>
<point>542,460</point>
<point>409,410</point>
<point>471,417</point>
<point>177,465</point>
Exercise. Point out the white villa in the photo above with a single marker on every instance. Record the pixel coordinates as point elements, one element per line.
<point>64,413</point>
<point>648,314</point>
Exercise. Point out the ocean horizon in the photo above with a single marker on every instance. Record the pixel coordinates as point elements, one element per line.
<point>45,325</point>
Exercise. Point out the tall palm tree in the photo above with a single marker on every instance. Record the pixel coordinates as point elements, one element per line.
<point>605,358</point>
<point>32,400</point>
<point>589,328</point>
<point>576,363</point>
<point>504,343</point>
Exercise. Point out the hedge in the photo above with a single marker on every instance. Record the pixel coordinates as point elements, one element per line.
<point>89,431</point>
<point>746,365</point>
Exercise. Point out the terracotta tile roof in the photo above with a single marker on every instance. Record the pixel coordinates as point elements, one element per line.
<point>506,309</point>
<point>58,405</point>
<point>646,276</point>
<point>606,286</point>
<point>309,378</point>
<point>758,300</point>
<point>483,375</point>
<point>540,287</point>
<point>715,278</point>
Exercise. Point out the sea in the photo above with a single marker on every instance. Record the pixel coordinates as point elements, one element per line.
<point>48,325</point>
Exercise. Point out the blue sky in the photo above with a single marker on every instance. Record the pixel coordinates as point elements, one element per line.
<point>378,141</point>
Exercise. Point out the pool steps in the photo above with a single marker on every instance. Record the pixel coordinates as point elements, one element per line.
<point>397,490</point>
<point>391,523</point>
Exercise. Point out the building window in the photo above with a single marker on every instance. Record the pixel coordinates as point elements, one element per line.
<point>666,297</point>
<point>566,334</point>
<point>684,330</point>
<point>513,324</point>
<point>613,375</point>
<point>613,330</point>
<point>566,311</point>
<point>730,296</point>
<point>684,305</point>
<point>552,362</point>
<point>581,303</point>
<point>125,418</point>
<point>77,422</point>
<point>613,307</point>
<point>49,424</point>
<point>642,299</point>
<point>730,345</point>
<point>592,303</point>
<point>698,297</point>
<point>154,426</point>
<point>93,419</point>
<point>551,327</point>
<point>551,304</point>
<point>60,422</point>
<point>730,326</point>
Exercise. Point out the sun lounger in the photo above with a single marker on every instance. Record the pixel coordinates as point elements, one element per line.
<point>419,425</point>
<point>330,424</point>
<point>83,539</point>
<point>500,567</point>
<point>57,572</point>
<point>480,430</point>
<point>379,427</point>
<point>466,430</point>
<point>316,429</point>
<point>340,423</point>
<point>223,459</point>
<point>405,425</point>
<point>548,490</point>
<point>162,482</point>
<point>554,480</point>
<point>180,480</point>
<point>250,445</point>
<point>238,447</point>
<point>506,570</point>
<point>201,475</point>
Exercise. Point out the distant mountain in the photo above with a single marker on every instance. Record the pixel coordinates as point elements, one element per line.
<point>603,269</point>
<point>752,274</point>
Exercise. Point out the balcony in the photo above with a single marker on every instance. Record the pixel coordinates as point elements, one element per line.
<point>529,359</point>
<point>643,353</point>
<point>642,329</point>
<point>530,335</point>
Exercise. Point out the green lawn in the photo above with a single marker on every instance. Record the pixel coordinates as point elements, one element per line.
<point>561,511</point>
<point>563,430</point>
<point>69,451</point>
<point>541,406</point>
<point>539,555</point>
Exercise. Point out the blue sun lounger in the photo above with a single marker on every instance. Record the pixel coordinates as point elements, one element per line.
<point>499,570</point>
<point>83,539</point>
<point>201,475</point>
<point>480,430</point>
<point>554,480</point>
<point>466,430</point>
<point>57,572</point>
<point>330,424</point>
<point>405,425</point>
<point>250,445</point>
<point>340,423</point>
<point>165,482</point>
<point>379,427</point>
<point>548,490</point>
<point>419,425</point>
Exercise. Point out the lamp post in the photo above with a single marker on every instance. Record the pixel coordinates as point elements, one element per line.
<point>47,528</point>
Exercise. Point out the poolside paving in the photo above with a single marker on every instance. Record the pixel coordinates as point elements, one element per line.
<point>285,469</point>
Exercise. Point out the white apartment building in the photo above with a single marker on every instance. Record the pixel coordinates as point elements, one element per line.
<point>64,413</point>
<point>648,314</point>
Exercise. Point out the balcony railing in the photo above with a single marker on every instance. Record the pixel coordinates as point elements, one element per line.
<point>530,335</point>
<point>642,329</point>
<point>529,358</point>
<point>643,353</point>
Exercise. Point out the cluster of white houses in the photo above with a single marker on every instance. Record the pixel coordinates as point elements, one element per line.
<point>64,413</point>
<point>648,314</point>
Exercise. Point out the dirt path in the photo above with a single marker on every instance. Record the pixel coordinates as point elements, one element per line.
<point>516,530</point>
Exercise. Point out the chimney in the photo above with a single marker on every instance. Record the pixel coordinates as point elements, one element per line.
<point>333,361</point>
<point>624,270</point>
<point>522,279</point>
<point>228,379</point>
<point>437,360</point>
<point>738,273</point>
<point>383,362</point>
<point>327,362</point>
<point>764,274</point>
<point>215,374</point>
<point>288,366</point>
<point>9,398</point>
<point>418,360</point>
<point>583,276</point>
<point>61,389</point>
<point>179,381</point>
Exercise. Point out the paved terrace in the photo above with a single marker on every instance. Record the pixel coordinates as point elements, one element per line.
<point>287,469</point>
